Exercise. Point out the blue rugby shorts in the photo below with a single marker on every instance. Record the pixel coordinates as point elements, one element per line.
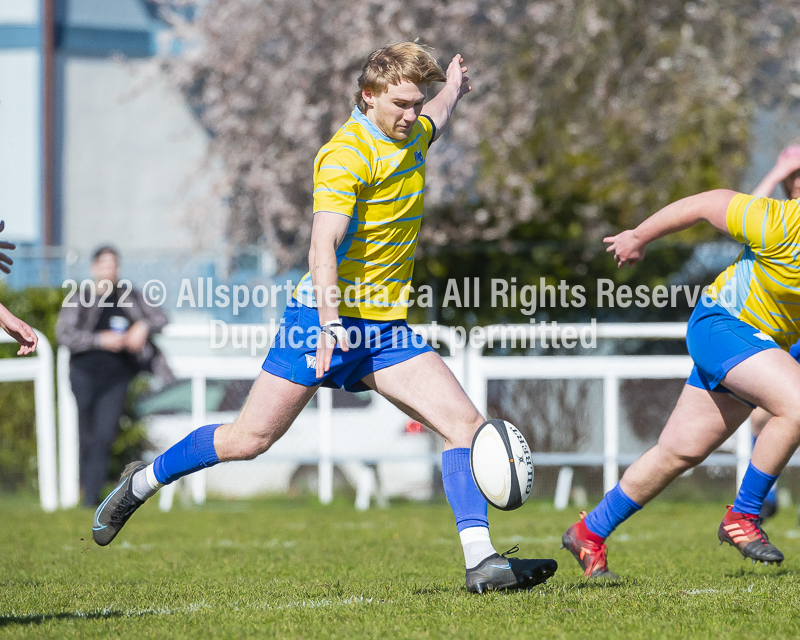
<point>795,351</point>
<point>718,342</point>
<point>374,345</point>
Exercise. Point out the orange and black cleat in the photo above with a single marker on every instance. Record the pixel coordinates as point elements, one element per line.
<point>743,531</point>
<point>588,549</point>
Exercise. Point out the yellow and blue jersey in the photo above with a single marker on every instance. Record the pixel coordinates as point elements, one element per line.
<point>762,288</point>
<point>379,183</point>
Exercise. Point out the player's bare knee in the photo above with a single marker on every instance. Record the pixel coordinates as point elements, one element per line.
<point>683,461</point>
<point>250,446</point>
<point>793,429</point>
<point>241,442</point>
<point>793,415</point>
<point>788,419</point>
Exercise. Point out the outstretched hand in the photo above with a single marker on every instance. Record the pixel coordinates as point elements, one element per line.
<point>456,76</point>
<point>18,330</point>
<point>325,346</point>
<point>626,246</point>
<point>788,162</point>
<point>4,259</point>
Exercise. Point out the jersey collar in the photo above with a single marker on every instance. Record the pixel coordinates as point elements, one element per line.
<point>370,126</point>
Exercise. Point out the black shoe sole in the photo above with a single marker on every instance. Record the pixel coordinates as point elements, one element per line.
<point>527,576</point>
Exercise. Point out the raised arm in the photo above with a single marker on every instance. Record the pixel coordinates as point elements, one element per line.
<point>442,106</point>
<point>787,163</point>
<point>712,206</point>
<point>327,232</point>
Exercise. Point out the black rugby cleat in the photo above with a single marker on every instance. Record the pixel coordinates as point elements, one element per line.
<point>497,572</point>
<point>118,506</point>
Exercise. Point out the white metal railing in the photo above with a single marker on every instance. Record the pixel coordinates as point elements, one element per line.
<point>38,368</point>
<point>610,369</point>
<point>68,450</point>
<point>471,367</point>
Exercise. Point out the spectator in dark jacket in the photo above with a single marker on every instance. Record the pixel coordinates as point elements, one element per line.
<point>110,342</point>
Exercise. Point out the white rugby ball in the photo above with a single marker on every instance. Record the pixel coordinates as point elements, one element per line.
<point>501,465</point>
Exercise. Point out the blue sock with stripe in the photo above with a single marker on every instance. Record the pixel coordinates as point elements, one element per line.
<point>614,509</point>
<point>755,487</point>
<point>196,451</point>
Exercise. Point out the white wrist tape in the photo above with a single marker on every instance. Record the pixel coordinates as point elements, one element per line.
<point>336,330</point>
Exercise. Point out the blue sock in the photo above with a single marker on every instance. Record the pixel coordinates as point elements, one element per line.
<point>614,509</point>
<point>772,495</point>
<point>196,451</point>
<point>462,493</point>
<point>755,487</point>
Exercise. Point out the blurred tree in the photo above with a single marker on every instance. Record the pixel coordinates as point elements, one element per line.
<point>586,115</point>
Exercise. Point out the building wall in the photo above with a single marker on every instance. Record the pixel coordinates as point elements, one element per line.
<point>20,116</point>
<point>130,149</point>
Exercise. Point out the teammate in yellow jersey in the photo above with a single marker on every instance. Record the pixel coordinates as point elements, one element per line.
<point>346,325</point>
<point>786,173</point>
<point>738,337</point>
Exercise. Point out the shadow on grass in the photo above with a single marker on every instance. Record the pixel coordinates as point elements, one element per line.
<point>6,621</point>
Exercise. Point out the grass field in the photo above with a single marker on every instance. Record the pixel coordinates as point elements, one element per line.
<point>292,569</point>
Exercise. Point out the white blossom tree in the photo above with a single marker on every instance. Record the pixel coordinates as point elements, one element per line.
<point>609,108</point>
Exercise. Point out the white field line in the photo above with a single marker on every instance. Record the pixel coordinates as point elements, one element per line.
<point>324,602</point>
<point>697,592</point>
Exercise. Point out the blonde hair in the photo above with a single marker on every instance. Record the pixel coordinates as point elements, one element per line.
<point>393,64</point>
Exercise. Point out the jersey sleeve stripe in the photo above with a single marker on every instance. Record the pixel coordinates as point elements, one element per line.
<point>339,191</point>
<point>387,200</point>
<point>357,137</point>
<point>360,155</point>
<point>744,221</point>
<point>336,166</point>
<point>764,229</point>
<point>783,218</point>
